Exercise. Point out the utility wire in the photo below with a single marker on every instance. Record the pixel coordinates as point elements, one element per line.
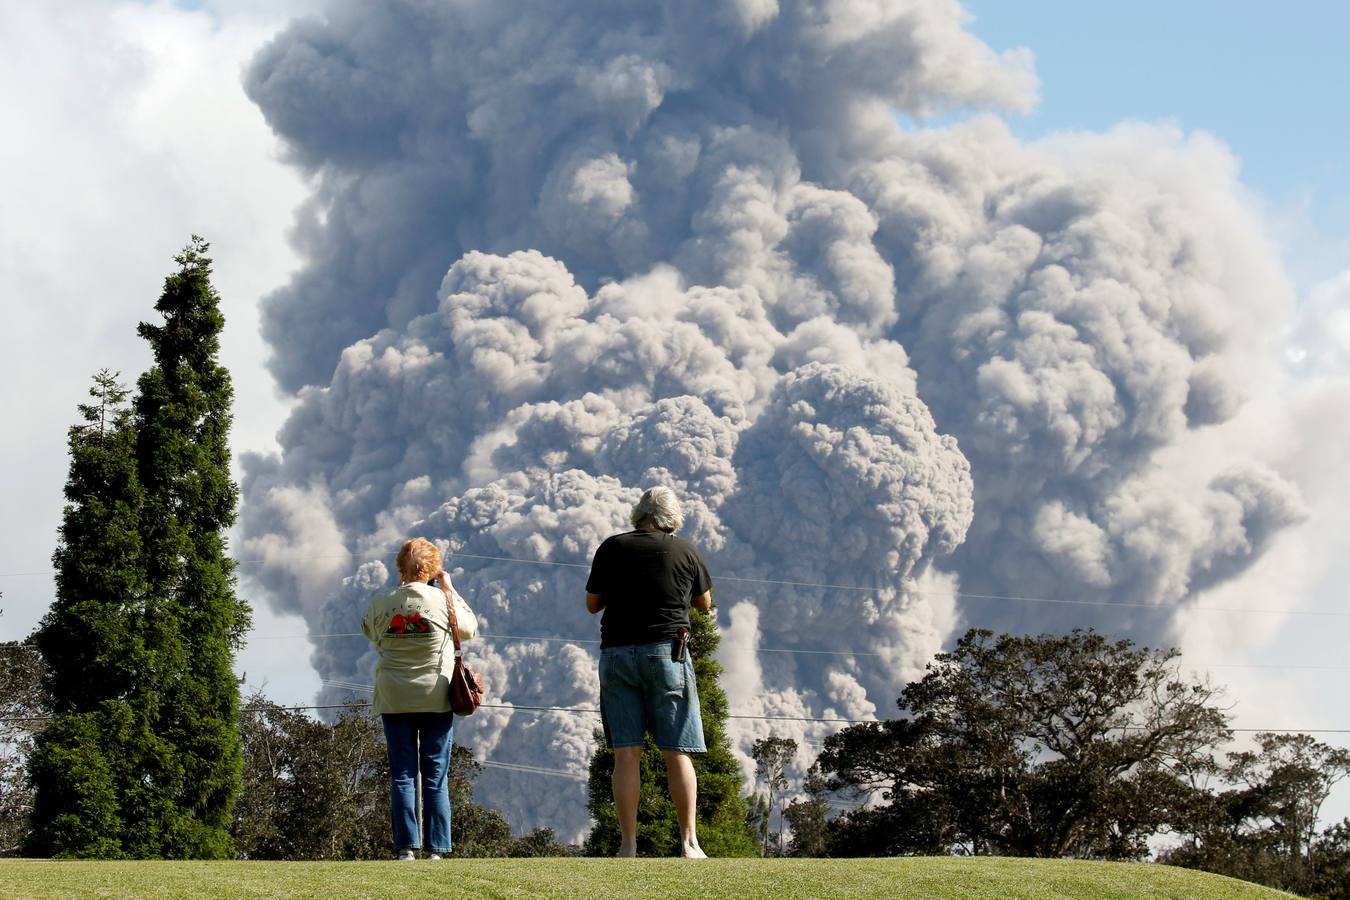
<point>794,650</point>
<point>965,595</point>
<point>534,770</point>
<point>789,650</point>
<point>585,709</point>
<point>799,584</point>
<point>591,710</point>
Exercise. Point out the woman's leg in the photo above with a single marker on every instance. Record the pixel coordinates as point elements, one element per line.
<point>436,731</point>
<point>400,736</point>
<point>683,785</point>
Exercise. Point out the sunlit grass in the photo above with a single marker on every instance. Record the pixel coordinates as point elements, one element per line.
<point>663,878</point>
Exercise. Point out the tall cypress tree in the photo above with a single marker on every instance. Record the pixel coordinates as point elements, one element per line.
<point>143,759</point>
<point>722,827</point>
<point>193,622</point>
<point>89,640</point>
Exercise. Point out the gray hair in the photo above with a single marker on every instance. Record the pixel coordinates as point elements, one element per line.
<point>661,507</point>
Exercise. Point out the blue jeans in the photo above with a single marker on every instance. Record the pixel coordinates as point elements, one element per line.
<point>419,740</point>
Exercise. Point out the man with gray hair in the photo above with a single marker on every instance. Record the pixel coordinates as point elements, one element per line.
<point>645,580</point>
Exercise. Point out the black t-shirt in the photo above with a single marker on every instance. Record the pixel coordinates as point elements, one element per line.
<point>646,580</point>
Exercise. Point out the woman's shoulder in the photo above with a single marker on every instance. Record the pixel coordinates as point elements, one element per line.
<point>423,590</point>
<point>403,594</point>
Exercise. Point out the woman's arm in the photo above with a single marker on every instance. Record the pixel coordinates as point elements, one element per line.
<point>464,617</point>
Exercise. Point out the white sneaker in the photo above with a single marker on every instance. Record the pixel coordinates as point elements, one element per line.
<point>406,855</point>
<point>434,856</point>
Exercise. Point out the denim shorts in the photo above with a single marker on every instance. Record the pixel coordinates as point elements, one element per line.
<point>642,689</point>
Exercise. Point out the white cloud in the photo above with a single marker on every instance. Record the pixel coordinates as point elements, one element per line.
<point>126,132</point>
<point>1286,666</point>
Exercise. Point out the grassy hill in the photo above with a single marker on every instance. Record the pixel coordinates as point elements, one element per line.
<point>920,878</point>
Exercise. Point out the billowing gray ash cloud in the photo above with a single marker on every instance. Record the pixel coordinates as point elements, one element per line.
<point>558,252</point>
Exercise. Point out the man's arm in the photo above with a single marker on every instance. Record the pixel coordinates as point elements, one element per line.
<point>594,602</point>
<point>703,602</point>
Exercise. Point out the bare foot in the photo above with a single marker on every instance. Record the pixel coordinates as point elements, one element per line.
<point>626,853</point>
<point>693,851</point>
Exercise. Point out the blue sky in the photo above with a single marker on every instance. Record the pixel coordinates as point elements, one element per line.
<point>1268,80</point>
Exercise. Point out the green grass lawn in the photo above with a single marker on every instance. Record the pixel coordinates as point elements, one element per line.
<point>662,878</point>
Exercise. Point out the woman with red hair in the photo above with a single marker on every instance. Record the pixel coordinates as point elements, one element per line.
<point>410,626</point>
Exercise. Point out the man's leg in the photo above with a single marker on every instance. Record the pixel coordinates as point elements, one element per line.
<point>627,788</point>
<point>683,784</point>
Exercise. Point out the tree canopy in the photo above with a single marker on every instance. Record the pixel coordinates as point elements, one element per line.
<point>1067,745</point>
<point>1261,824</point>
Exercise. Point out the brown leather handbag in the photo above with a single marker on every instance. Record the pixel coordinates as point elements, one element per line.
<point>466,685</point>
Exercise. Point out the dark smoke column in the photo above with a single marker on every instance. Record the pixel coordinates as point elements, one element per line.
<point>556,252</point>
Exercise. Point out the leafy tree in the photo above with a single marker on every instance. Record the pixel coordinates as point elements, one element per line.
<point>1264,827</point>
<point>475,830</point>
<point>809,818</point>
<point>312,790</point>
<point>1031,746</point>
<point>22,717</point>
<point>722,829</point>
<point>320,790</point>
<point>1286,780</point>
<point>540,842</point>
<point>772,756</point>
<point>139,643</point>
<point>757,815</point>
<point>1329,868</point>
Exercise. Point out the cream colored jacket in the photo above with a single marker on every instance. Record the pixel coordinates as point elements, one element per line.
<point>410,627</point>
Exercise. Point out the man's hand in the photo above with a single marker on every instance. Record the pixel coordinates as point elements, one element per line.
<point>593,603</point>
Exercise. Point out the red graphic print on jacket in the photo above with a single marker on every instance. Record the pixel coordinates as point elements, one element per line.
<point>414,624</point>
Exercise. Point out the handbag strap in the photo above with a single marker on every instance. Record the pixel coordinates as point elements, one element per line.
<point>454,623</point>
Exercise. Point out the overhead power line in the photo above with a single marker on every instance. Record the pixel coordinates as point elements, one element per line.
<point>533,770</point>
<point>852,588</point>
<point>593,711</point>
<point>578,710</point>
<point>789,650</point>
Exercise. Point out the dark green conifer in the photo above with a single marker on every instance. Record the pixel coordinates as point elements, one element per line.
<point>139,643</point>
<point>192,621</point>
<point>89,640</point>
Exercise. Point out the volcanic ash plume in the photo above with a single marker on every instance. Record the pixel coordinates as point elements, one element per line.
<point>560,252</point>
